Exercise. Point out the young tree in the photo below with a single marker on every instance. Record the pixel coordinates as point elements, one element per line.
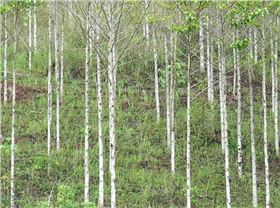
<point>112,68</point>
<point>188,142</point>
<point>15,40</point>
<point>49,77</point>
<point>86,188</point>
<point>267,191</point>
<point>30,38</point>
<point>167,82</point>
<point>276,127</point>
<point>209,64</point>
<point>62,58</point>
<point>5,56</point>
<point>252,127</point>
<point>35,25</point>
<point>99,107</point>
<point>222,63</point>
<point>155,64</point>
<point>56,49</point>
<point>201,45</point>
<point>239,113</point>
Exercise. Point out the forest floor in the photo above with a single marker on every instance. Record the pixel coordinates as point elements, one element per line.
<point>143,160</point>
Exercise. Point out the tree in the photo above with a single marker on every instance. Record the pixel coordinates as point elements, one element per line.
<point>35,26</point>
<point>267,191</point>
<point>154,38</point>
<point>56,50</point>
<point>99,106</point>
<point>62,58</point>
<point>5,55</point>
<point>86,190</point>
<point>112,68</point>
<point>15,39</point>
<point>30,38</point>
<point>50,25</point>
<point>252,127</point>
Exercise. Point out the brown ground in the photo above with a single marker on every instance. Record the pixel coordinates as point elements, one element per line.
<point>23,93</point>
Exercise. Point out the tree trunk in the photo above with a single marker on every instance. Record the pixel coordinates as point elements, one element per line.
<point>86,165</point>
<point>201,46</point>
<point>276,95</point>
<point>49,80</point>
<point>99,103</point>
<point>13,205</point>
<point>172,103</point>
<point>252,127</point>
<point>239,114</point>
<point>35,26</point>
<point>167,82</point>
<point>30,39</point>
<point>156,66</point>
<point>62,59</point>
<point>224,111</point>
<point>112,67</point>
<point>273,71</point>
<point>267,191</point>
<point>188,142</point>
<point>5,57</point>
<point>56,48</point>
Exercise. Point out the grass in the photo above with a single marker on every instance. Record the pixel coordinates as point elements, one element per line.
<point>143,162</point>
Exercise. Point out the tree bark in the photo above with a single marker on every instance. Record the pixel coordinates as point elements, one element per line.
<point>99,103</point>
<point>86,162</point>
<point>201,46</point>
<point>167,82</point>
<point>49,79</point>
<point>30,39</point>
<point>35,26</point>
<point>5,57</point>
<point>56,48</point>
<point>267,191</point>
<point>62,59</point>
<point>252,128</point>
<point>239,114</point>
<point>156,66</point>
<point>112,67</point>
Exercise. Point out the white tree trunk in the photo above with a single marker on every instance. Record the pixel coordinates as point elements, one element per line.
<point>252,127</point>
<point>239,114</point>
<point>276,95</point>
<point>112,67</point>
<point>86,162</point>
<point>256,44</point>
<point>222,116</point>
<point>56,48</point>
<point>1,136</point>
<point>167,82</point>
<point>208,51</point>
<point>227,173</point>
<point>147,24</point>
<point>49,78</point>
<point>30,39</point>
<point>267,191</point>
<point>223,94</point>
<point>99,103</point>
<point>273,71</point>
<point>5,57</point>
<point>188,142</point>
<point>234,73</point>
<point>172,103</point>
<point>35,26</point>
<point>62,59</point>
<point>201,46</point>
<point>13,205</point>
<point>155,66</point>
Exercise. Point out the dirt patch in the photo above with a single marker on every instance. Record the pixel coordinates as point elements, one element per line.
<point>23,93</point>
